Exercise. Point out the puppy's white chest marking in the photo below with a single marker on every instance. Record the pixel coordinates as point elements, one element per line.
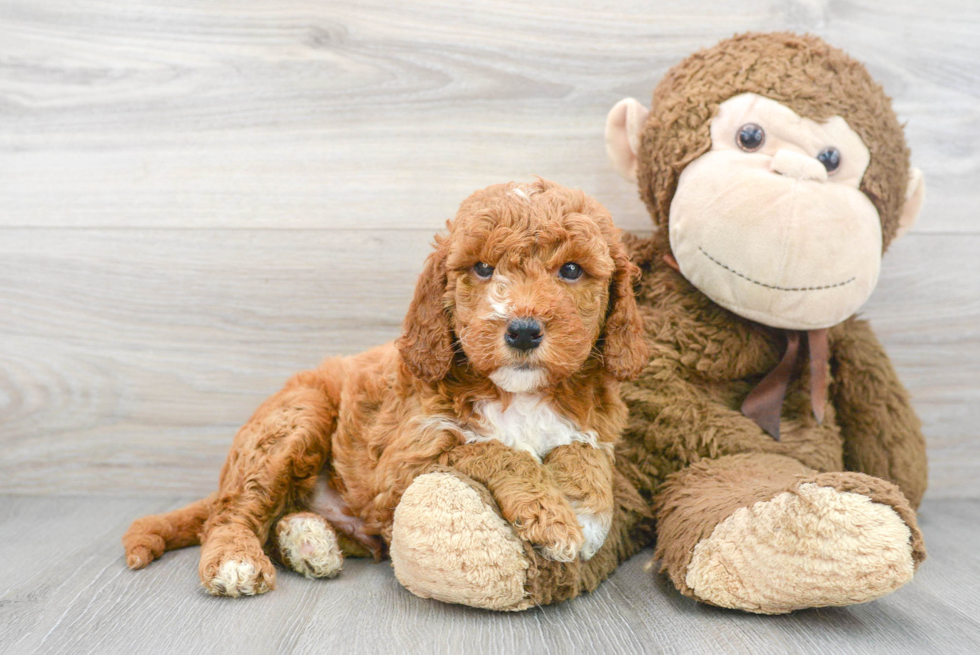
<point>529,423</point>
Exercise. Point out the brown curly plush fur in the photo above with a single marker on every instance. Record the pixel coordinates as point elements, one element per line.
<point>689,458</point>
<point>685,406</point>
<point>368,425</point>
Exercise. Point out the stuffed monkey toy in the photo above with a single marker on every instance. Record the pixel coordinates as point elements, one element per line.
<point>772,454</point>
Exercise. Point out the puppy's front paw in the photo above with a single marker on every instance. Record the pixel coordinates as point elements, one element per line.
<point>551,526</point>
<point>237,578</point>
<point>561,550</point>
<point>241,569</point>
<point>595,529</point>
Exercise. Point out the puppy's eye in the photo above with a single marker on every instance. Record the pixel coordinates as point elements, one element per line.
<point>483,271</point>
<point>830,158</point>
<point>750,137</point>
<point>570,271</point>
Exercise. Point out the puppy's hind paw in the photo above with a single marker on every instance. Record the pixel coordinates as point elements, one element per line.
<point>309,546</point>
<point>138,557</point>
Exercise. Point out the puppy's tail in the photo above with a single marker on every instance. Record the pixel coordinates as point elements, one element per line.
<point>149,537</point>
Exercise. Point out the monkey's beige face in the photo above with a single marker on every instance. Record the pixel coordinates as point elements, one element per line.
<point>770,223</point>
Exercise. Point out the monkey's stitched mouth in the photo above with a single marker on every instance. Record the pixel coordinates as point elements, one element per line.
<point>773,286</point>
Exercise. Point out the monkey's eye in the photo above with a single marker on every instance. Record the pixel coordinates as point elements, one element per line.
<point>830,158</point>
<point>750,137</point>
<point>570,272</point>
<point>483,271</point>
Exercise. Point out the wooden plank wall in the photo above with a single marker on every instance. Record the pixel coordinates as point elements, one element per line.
<point>199,197</point>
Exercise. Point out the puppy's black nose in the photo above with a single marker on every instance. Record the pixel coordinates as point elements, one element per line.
<point>524,334</point>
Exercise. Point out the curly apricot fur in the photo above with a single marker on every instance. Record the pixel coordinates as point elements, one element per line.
<point>374,421</point>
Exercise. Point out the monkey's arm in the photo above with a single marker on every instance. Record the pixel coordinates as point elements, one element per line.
<point>675,421</point>
<point>882,435</point>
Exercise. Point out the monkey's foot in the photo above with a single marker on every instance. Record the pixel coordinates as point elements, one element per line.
<point>449,543</point>
<point>812,546</point>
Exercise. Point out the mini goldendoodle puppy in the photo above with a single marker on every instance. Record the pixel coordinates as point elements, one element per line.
<point>522,325</point>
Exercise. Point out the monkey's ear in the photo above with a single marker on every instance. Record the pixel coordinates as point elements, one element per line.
<point>915,195</point>
<point>624,126</point>
<point>426,344</point>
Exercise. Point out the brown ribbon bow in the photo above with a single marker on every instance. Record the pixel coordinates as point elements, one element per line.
<point>764,403</point>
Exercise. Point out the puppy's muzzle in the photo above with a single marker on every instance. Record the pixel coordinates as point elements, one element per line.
<point>523,334</point>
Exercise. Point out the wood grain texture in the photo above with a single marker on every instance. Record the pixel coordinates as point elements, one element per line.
<point>66,589</point>
<point>198,199</point>
<point>131,357</point>
<point>340,114</point>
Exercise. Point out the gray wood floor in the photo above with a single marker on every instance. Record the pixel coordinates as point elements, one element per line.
<point>65,589</point>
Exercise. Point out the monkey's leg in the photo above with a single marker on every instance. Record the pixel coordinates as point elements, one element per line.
<point>451,542</point>
<point>765,534</point>
<point>273,466</point>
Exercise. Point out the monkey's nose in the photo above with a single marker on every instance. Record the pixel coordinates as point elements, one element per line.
<point>524,334</point>
<point>795,164</point>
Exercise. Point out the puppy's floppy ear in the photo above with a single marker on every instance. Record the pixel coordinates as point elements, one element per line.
<point>624,352</point>
<point>426,344</point>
